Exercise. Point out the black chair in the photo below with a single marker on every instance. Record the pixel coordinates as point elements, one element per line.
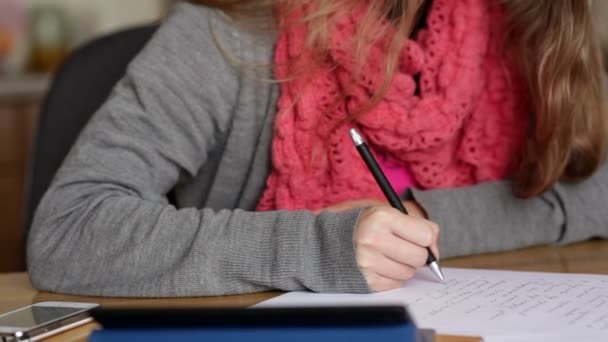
<point>80,87</point>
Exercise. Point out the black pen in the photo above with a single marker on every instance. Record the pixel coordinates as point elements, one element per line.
<point>388,191</point>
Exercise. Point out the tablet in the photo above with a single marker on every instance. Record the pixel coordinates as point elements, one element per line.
<point>163,318</point>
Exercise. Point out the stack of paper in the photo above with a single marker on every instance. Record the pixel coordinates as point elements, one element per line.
<point>498,305</point>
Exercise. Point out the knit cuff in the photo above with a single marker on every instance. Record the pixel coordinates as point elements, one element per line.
<point>334,257</point>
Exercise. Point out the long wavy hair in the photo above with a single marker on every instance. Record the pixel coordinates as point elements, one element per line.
<point>553,42</point>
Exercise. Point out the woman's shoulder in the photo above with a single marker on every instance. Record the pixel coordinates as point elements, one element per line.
<point>211,26</point>
<point>196,27</point>
<point>205,42</point>
<point>199,18</point>
<point>190,61</point>
<point>192,44</point>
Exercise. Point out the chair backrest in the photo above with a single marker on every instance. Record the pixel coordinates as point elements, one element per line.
<point>79,88</point>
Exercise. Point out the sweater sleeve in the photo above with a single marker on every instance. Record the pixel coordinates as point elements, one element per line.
<point>489,218</point>
<point>105,227</point>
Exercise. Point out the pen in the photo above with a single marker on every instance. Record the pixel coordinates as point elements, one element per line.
<point>388,191</point>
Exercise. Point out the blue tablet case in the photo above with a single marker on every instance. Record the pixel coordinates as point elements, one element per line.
<point>404,333</point>
<point>352,324</point>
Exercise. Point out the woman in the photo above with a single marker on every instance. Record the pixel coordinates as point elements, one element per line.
<point>488,116</point>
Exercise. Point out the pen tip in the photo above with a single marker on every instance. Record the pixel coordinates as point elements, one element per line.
<point>356,137</point>
<point>434,266</point>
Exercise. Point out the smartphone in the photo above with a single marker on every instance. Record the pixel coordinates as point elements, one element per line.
<point>44,319</point>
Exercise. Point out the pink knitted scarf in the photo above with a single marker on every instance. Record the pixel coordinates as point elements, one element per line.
<point>464,125</point>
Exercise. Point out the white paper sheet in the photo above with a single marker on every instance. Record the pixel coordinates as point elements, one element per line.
<point>498,305</point>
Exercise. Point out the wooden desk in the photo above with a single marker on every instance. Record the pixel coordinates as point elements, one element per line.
<point>588,257</point>
<point>18,119</point>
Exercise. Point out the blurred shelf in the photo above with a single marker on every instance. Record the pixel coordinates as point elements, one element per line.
<point>23,87</point>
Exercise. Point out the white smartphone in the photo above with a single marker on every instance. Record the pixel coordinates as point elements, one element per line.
<point>44,319</point>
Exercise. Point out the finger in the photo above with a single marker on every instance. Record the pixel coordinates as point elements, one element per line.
<point>402,251</point>
<point>435,251</point>
<point>416,230</point>
<point>374,261</point>
<point>389,268</point>
<point>435,244</point>
<point>379,283</point>
<point>414,209</point>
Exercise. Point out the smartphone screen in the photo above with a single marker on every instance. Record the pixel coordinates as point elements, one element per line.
<point>36,315</point>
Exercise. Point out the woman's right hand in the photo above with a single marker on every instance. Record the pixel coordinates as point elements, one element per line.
<point>390,246</point>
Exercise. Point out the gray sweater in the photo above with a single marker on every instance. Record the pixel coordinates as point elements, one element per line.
<point>188,116</point>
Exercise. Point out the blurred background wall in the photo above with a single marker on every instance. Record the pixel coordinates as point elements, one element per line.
<point>89,18</point>
<point>29,25</point>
